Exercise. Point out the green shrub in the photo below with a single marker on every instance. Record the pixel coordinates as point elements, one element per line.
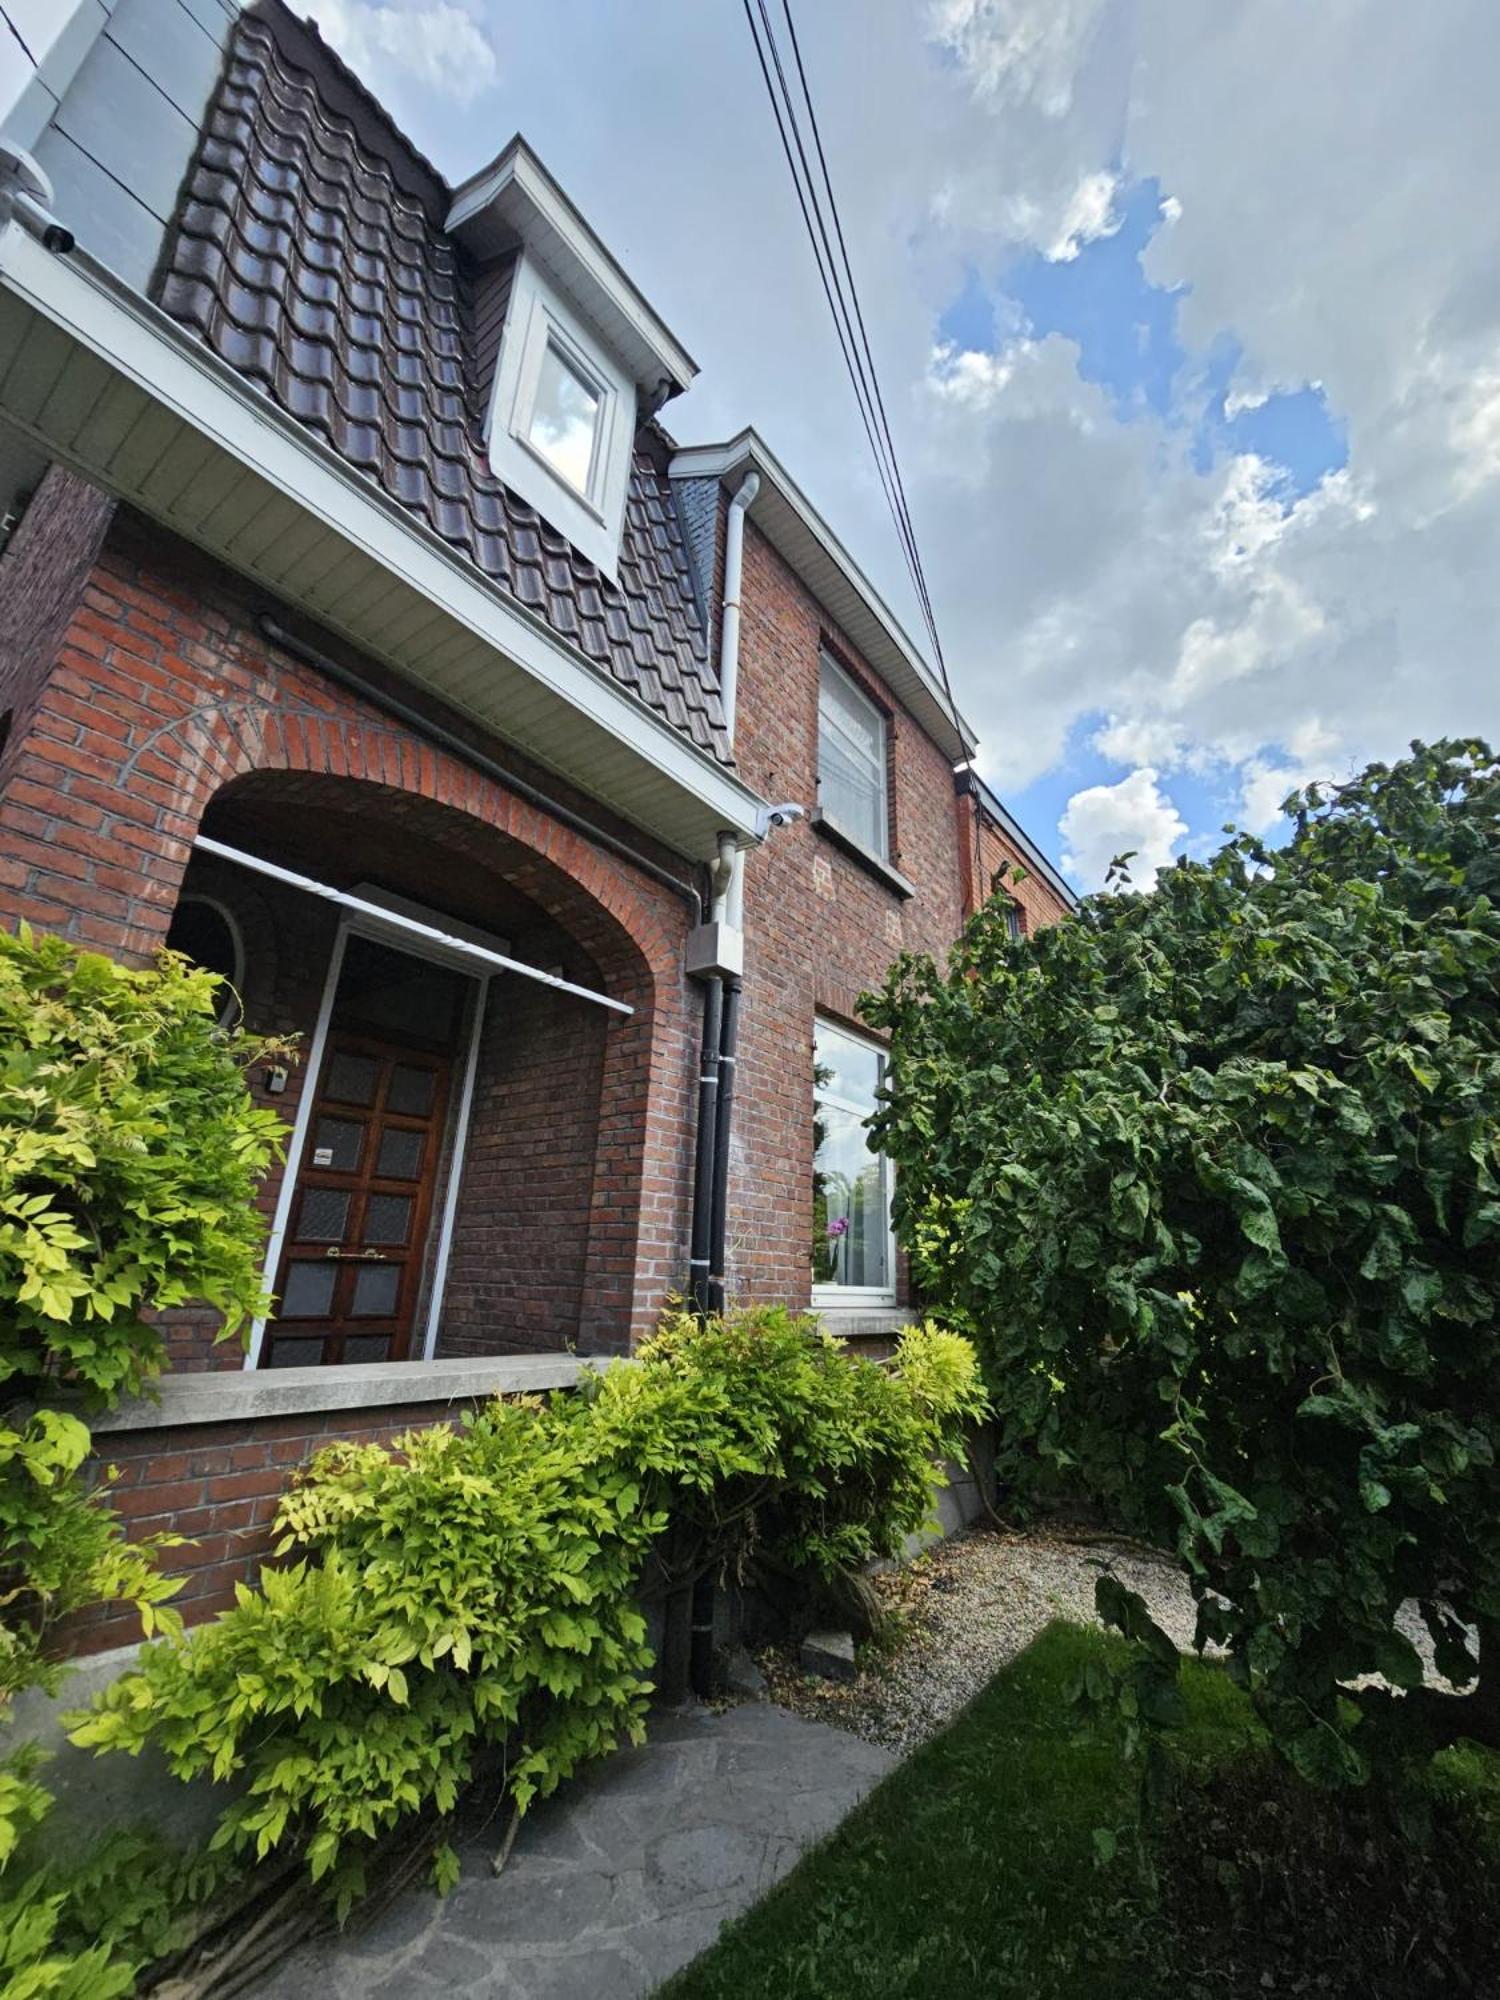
<point>477,1586</point>
<point>1213,1176</point>
<point>130,1153</point>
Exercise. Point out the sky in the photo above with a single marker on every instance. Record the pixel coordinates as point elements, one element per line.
<point>1187,316</point>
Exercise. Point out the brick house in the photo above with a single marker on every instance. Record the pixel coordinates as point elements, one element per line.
<point>365,634</point>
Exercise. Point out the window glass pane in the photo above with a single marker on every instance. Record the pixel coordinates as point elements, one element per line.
<point>851,1182</point>
<point>308,1291</point>
<point>367,1347</point>
<point>296,1353</point>
<point>337,1143</point>
<point>851,761</point>
<point>323,1215</point>
<point>375,1290</point>
<point>564,419</point>
<point>351,1079</point>
<point>387,1218</point>
<point>851,1243</point>
<point>854,1070</point>
<point>400,1157</point>
<point>411,1091</point>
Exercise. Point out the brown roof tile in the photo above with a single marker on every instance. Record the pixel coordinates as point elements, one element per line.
<point>308,251</point>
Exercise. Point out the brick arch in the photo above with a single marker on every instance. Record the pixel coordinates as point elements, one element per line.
<point>200,755</point>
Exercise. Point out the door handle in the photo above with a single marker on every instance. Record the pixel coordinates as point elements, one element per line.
<point>358,1256</point>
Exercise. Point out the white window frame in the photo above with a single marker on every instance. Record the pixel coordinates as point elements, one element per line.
<point>835,1296</point>
<point>828,665</point>
<point>537,317</point>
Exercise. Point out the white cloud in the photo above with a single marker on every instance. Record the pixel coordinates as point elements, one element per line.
<point>1089,215</point>
<point>1133,817</point>
<point>436,43</point>
<point>1018,51</point>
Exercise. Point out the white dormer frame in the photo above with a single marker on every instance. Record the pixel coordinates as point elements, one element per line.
<point>538,318</point>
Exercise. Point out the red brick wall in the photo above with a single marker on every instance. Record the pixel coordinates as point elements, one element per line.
<point>993,851</point>
<point>162,694</point>
<point>819,928</point>
<point>219,1484</point>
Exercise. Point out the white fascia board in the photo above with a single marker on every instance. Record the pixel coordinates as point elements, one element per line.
<point>139,341</point>
<point>888,647</point>
<point>514,199</point>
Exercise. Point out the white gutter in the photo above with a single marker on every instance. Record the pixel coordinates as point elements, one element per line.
<point>393,920</point>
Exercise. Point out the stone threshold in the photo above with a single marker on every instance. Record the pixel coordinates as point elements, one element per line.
<point>212,1397</point>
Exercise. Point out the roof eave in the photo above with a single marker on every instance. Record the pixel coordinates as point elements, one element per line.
<point>969,780</point>
<point>106,381</point>
<point>806,542</point>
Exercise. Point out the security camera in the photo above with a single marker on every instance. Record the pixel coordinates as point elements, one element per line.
<point>26,194</point>
<point>782,815</point>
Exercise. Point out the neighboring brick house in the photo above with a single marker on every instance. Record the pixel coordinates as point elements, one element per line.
<point>366,636</point>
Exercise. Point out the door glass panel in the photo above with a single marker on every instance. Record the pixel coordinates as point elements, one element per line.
<point>375,1290</point>
<point>296,1353</point>
<point>367,1347</point>
<point>400,1155</point>
<point>410,1091</point>
<point>324,1213</point>
<point>337,1143</point>
<point>308,1292</point>
<point>351,1078</point>
<point>387,1218</point>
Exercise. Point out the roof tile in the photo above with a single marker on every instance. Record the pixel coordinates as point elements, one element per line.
<point>307,252</point>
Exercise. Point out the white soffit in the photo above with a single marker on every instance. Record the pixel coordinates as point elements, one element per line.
<point>515,202</point>
<point>105,381</point>
<point>804,540</point>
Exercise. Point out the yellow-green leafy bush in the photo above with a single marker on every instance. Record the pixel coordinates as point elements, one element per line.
<point>477,1585</point>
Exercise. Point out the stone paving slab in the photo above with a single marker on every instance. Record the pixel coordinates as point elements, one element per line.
<point>620,1879</point>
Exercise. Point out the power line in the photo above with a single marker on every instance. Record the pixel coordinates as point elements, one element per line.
<point>824,227</point>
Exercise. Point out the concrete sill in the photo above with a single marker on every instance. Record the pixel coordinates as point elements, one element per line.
<point>891,878</point>
<point>865,1322</point>
<point>212,1398</point>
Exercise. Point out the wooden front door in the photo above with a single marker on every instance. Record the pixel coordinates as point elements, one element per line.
<point>352,1265</point>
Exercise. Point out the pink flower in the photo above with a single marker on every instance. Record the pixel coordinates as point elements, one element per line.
<point>839,1226</point>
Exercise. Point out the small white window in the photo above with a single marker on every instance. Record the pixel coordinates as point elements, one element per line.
<point>565,414</point>
<point>562,420</point>
<point>853,1251</point>
<point>851,762</point>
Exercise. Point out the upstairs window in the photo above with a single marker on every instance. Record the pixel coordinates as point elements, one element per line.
<point>852,792</point>
<point>562,419</point>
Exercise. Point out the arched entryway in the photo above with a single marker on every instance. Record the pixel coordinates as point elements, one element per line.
<point>480,1162</point>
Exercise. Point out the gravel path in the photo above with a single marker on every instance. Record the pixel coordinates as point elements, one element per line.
<point>963,1611</point>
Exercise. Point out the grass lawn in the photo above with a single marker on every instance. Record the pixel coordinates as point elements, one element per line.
<point>974,1871</point>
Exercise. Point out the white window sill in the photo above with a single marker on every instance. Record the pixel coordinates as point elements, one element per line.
<point>848,1322</point>
<point>211,1397</point>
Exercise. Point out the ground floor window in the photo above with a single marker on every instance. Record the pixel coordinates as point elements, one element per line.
<point>853,1254</point>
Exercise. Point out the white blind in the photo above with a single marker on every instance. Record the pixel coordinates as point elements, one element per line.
<point>851,761</point>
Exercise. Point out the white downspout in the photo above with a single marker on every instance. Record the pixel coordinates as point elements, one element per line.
<point>729,659</point>
<point>729,629</point>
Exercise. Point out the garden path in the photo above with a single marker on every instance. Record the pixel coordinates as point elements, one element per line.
<point>617,1881</point>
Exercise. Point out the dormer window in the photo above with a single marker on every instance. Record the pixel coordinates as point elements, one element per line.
<point>578,347</point>
<point>563,419</point>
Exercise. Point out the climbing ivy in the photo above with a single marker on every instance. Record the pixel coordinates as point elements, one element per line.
<point>1212,1174</point>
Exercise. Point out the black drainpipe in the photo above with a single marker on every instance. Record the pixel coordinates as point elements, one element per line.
<point>701,1248</point>
<point>729,1037</point>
